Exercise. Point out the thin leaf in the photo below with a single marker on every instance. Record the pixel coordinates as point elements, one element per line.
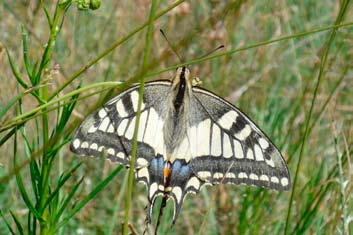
<point>31,224</point>
<point>35,67</point>
<point>6,107</point>
<point>34,169</point>
<point>25,55</point>
<point>21,186</point>
<point>66,113</point>
<point>62,181</point>
<point>89,197</point>
<point>68,199</point>
<point>8,135</point>
<point>7,223</point>
<point>18,224</point>
<point>15,71</point>
<point>46,12</point>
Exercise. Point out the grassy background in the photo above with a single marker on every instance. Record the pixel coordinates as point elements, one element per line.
<point>273,82</point>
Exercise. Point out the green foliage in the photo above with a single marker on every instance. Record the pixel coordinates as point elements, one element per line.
<point>287,64</point>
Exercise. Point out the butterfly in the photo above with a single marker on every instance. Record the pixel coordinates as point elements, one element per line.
<point>188,137</point>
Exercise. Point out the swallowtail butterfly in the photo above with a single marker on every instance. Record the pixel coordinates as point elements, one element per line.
<point>188,137</point>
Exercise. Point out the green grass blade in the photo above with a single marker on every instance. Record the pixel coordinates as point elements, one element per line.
<point>324,56</point>
<point>25,56</point>
<point>63,178</point>
<point>7,223</point>
<point>47,54</point>
<point>68,199</point>
<point>141,89</point>
<point>18,223</point>
<point>15,71</point>
<point>8,135</point>
<point>34,169</point>
<point>89,197</point>
<point>47,15</point>
<point>21,186</point>
<point>311,212</point>
<point>4,109</point>
<point>110,229</point>
<point>65,114</point>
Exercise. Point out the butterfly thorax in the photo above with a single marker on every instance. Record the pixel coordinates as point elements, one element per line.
<point>177,119</point>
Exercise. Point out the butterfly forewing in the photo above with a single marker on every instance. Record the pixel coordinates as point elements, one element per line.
<point>110,129</point>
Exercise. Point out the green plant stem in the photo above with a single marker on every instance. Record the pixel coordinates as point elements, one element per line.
<point>46,158</point>
<point>116,209</point>
<point>134,145</point>
<point>308,120</point>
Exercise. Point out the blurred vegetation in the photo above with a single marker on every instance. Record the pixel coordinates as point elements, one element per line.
<point>284,64</point>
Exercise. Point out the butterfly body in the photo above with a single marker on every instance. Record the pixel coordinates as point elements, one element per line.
<point>187,137</point>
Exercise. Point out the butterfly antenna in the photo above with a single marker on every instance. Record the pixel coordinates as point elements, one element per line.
<point>211,52</point>
<point>171,46</point>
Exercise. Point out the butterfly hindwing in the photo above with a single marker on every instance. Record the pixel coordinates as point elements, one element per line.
<point>222,146</point>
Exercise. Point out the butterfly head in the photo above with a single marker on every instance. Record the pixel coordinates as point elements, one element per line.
<point>182,76</point>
